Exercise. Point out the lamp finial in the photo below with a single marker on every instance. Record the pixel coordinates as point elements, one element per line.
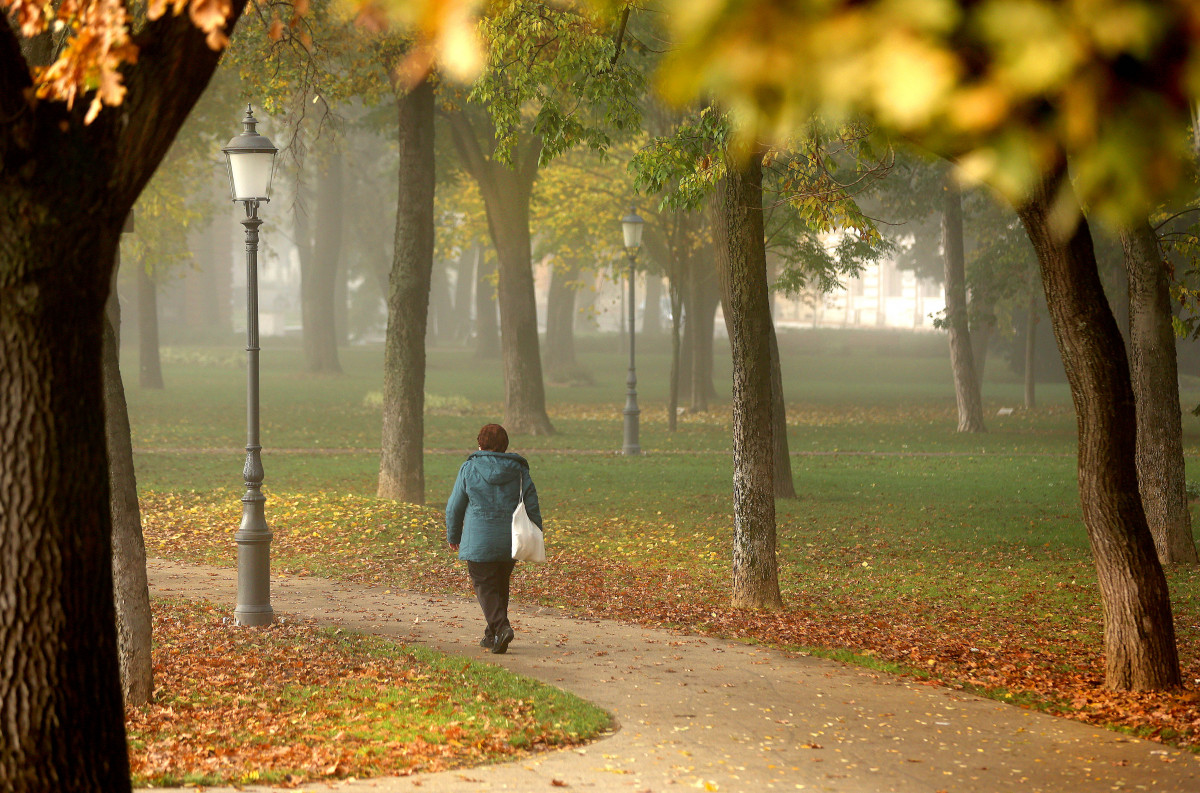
<point>249,122</point>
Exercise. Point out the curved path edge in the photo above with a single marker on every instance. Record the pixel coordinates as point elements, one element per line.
<point>707,714</point>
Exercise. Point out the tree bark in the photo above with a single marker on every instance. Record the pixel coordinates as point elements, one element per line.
<point>785,486</point>
<point>65,190</point>
<point>341,307</point>
<point>60,694</point>
<point>561,364</point>
<point>1154,369</point>
<point>319,244</point>
<point>506,195</point>
<point>680,252</point>
<point>742,261</point>
<point>487,329</point>
<point>131,591</point>
<point>1031,324</point>
<point>463,281</point>
<point>982,329</point>
<point>402,464</point>
<point>651,316</point>
<point>1139,634</point>
<point>223,227</point>
<point>438,325</point>
<point>150,360</point>
<point>676,322</point>
<point>701,305</point>
<point>327,250</point>
<point>962,360</point>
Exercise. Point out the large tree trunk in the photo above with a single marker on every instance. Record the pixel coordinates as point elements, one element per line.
<point>785,487</point>
<point>676,322</point>
<point>524,391</point>
<point>652,314</point>
<point>506,195</point>
<point>982,330</point>
<point>742,260</point>
<point>464,279</point>
<point>675,249</point>
<point>131,592</point>
<point>440,308</point>
<point>327,251</point>
<point>561,364</point>
<point>341,307</point>
<point>487,328</point>
<point>150,361</point>
<point>319,244</point>
<point>65,190</point>
<point>1139,635</point>
<point>1154,369</point>
<point>1031,324</point>
<point>962,359</point>
<point>401,465</point>
<point>702,300</point>
<point>686,344</point>
<point>223,230</point>
<point>60,695</point>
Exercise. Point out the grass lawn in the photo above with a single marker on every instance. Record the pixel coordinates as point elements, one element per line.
<point>962,558</point>
<point>293,701</point>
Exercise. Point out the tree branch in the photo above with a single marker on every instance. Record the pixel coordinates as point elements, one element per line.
<point>15,79</point>
<point>1177,214</point>
<point>620,37</point>
<point>527,167</point>
<point>173,68</point>
<point>466,143</point>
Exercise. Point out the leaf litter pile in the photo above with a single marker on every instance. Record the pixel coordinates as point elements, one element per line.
<point>1048,657</point>
<point>293,702</point>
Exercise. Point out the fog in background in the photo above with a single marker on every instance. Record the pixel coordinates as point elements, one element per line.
<point>182,282</point>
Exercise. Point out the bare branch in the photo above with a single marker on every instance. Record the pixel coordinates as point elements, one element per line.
<point>619,40</point>
<point>1176,215</point>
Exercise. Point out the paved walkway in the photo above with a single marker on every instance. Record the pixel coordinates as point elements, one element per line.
<point>715,715</point>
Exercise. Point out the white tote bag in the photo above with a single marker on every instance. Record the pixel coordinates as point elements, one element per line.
<point>527,542</point>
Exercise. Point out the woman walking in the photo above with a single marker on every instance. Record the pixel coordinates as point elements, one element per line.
<point>479,512</point>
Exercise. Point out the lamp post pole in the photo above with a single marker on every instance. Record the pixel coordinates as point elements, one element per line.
<point>253,537</point>
<point>630,444</point>
<point>251,159</point>
<point>631,226</point>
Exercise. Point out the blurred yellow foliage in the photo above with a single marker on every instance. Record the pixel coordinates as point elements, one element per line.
<point>1000,84</point>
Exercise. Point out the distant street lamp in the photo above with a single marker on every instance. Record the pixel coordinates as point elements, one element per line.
<point>632,225</point>
<point>251,159</point>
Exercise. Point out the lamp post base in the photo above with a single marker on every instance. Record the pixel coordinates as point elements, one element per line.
<point>254,580</point>
<point>253,619</point>
<point>630,444</point>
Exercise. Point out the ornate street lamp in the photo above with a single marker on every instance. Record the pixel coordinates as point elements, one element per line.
<point>632,225</point>
<point>251,159</point>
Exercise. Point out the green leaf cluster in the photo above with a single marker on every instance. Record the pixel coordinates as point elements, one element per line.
<point>812,221</point>
<point>552,70</point>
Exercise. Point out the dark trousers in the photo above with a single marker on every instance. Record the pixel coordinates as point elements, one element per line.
<point>490,580</point>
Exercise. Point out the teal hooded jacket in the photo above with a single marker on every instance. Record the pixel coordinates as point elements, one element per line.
<point>479,510</point>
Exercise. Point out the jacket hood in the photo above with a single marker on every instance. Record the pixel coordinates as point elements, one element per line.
<point>498,468</point>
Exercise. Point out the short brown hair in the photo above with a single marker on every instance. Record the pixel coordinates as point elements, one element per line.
<point>493,438</point>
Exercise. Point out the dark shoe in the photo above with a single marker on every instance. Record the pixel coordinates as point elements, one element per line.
<point>487,642</point>
<point>502,639</point>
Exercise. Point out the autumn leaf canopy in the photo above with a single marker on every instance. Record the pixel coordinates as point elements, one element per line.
<point>97,39</point>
